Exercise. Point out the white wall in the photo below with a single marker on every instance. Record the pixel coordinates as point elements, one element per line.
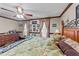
<point>70,14</point>
<point>55,21</point>
<point>6,25</point>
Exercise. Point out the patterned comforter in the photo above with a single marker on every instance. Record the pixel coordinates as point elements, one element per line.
<point>35,47</point>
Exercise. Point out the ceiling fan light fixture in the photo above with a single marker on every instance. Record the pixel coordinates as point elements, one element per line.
<point>20,16</point>
<point>19,10</point>
<point>20,13</point>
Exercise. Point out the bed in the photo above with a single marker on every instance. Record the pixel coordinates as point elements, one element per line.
<point>37,46</point>
<point>70,42</point>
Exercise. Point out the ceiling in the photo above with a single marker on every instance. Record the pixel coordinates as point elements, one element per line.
<point>38,10</point>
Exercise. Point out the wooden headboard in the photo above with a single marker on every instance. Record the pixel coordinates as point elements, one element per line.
<point>72,33</point>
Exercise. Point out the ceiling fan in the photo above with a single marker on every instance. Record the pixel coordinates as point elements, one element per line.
<point>21,14</point>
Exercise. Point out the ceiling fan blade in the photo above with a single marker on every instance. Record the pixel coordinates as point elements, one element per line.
<point>28,14</point>
<point>14,16</point>
<point>7,9</point>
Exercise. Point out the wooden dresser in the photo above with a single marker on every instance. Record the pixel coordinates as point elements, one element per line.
<point>4,39</point>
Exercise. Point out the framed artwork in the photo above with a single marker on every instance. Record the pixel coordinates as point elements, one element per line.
<point>54,25</point>
<point>34,29</point>
<point>38,25</point>
<point>34,22</point>
<point>34,25</point>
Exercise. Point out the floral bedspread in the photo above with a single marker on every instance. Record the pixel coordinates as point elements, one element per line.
<point>35,47</point>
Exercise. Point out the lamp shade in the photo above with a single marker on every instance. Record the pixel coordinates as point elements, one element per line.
<point>57,31</point>
<point>20,16</point>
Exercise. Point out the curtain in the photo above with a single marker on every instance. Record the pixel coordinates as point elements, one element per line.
<point>41,26</point>
<point>44,30</point>
<point>25,30</point>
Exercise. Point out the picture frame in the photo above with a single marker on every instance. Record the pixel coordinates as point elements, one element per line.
<point>54,25</point>
<point>34,22</point>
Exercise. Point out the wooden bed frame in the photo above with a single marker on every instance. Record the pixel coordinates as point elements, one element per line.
<point>72,33</point>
